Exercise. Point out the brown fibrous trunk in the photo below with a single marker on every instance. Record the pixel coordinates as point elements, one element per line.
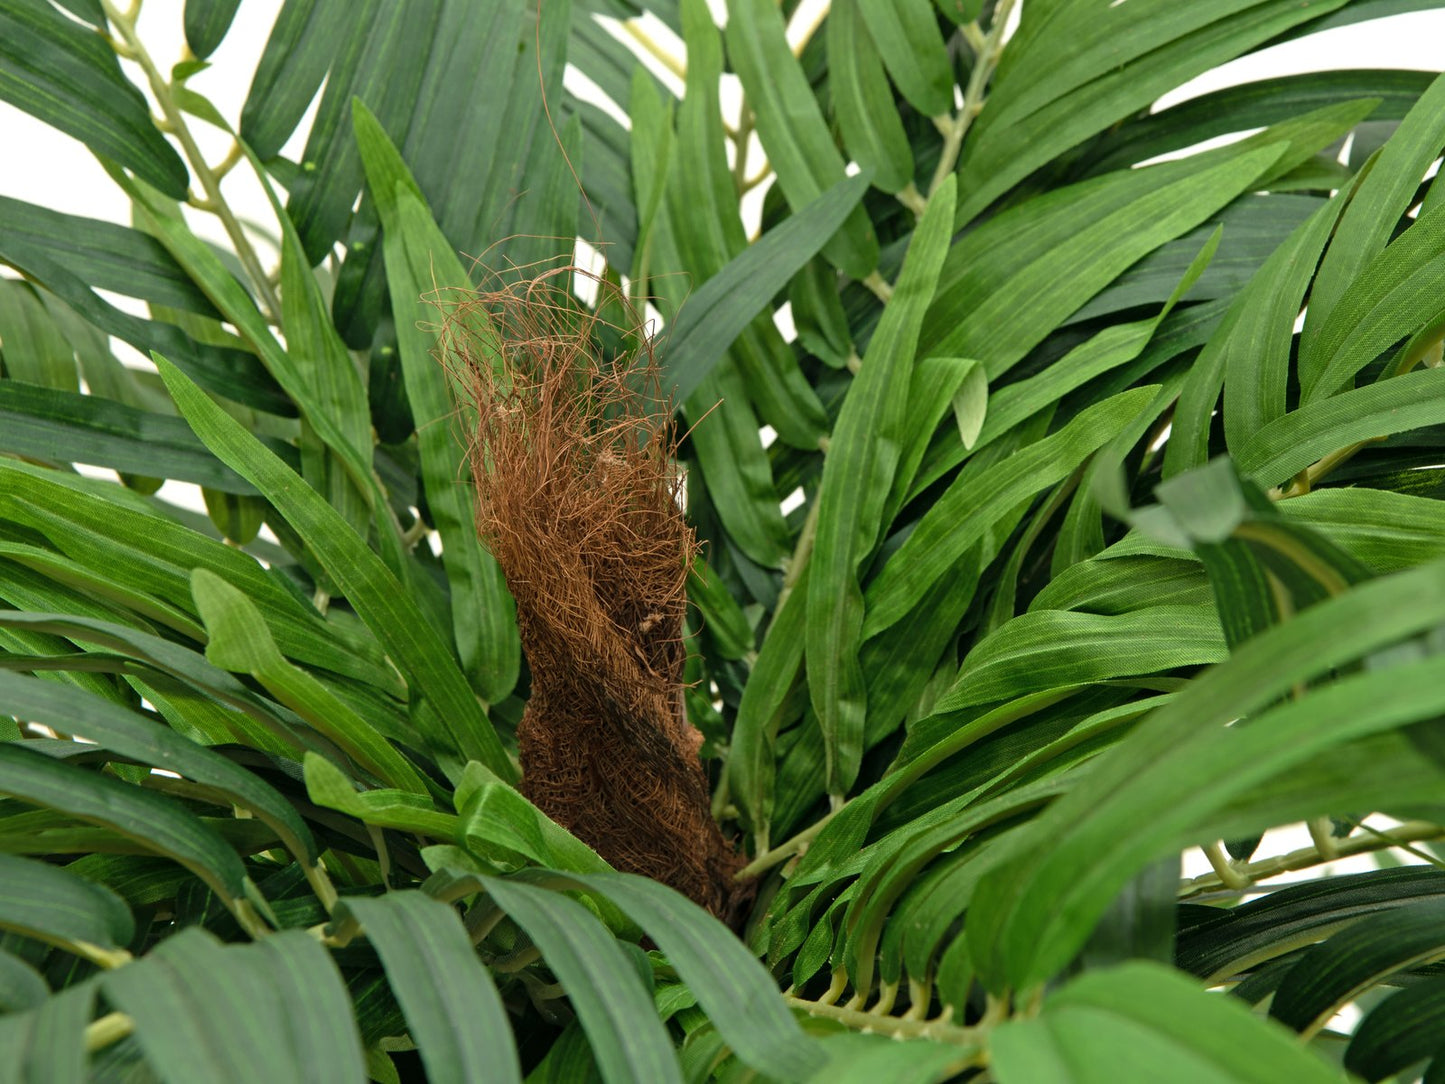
<point>577,498</point>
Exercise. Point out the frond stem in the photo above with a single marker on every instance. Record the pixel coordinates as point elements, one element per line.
<point>125,23</point>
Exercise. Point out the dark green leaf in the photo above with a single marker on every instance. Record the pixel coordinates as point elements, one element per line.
<point>367,583</point>
<point>277,1010</point>
<point>69,77</point>
<point>729,301</point>
<point>451,1005</point>
<point>628,1040</point>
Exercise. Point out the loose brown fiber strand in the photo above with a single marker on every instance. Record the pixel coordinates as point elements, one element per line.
<point>577,497</point>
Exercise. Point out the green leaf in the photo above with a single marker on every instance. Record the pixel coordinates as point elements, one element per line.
<point>419,261</point>
<point>1087,69</point>
<point>277,1010</point>
<point>316,392</point>
<point>32,346</point>
<point>628,1040</point>
<point>862,99</point>
<point>1396,295</point>
<point>495,814</point>
<point>1238,939</point>
<point>863,453</point>
<point>47,1044</point>
<point>69,77</point>
<point>1333,973</point>
<point>752,765</point>
<point>1167,1027</point>
<point>72,257</point>
<point>452,1008</point>
<point>153,820</point>
<point>729,301</point>
<point>367,583</point>
<point>54,905</point>
<point>722,617</point>
<point>1046,649</point>
<point>864,1059</point>
<point>1286,446</point>
<point>996,305</point>
<point>907,37</point>
<point>1144,798</point>
<point>241,642</point>
<point>75,712</point>
<point>959,518</point>
<point>65,427</point>
<point>304,41</point>
<point>1368,226</point>
<point>1401,1030</point>
<point>793,131</point>
<point>206,24</point>
<point>732,987</point>
<point>651,160</point>
<point>21,987</point>
<point>1257,349</point>
<point>327,785</point>
<point>150,554</point>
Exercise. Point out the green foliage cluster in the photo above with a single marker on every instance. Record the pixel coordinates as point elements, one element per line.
<point>1101,551</point>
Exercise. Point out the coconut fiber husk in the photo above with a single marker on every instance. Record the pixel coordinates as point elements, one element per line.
<point>577,498</point>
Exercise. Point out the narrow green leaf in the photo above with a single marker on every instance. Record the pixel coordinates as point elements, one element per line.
<point>1143,798</point>
<point>206,24</point>
<point>451,1005</point>
<point>21,988</point>
<point>1368,226</point>
<point>151,554</point>
<point>1046,649</point>
<point>420,261</point>
<point>1289,444</point>
<point>1257,350</point>
<point>277,1010</point>
<point>65,427</point>
<point>305,39</point>
<point>1359,957</point>
<point>729,301</point>
<point>732,987</point>
<point>863,453</point>
<point>1401,1030</point>
<point>153,820</point>
<point>752,765</point>
<point>49,903</point>
<point>367,583</point>
<point>493,813</point>
<point>72,257</point>
<point>1089,69</point>
<point>1169,1027</point>
<point>651,160</point>
<point>793,132</point>
<point>959,518</point>
<point>907,37</point>
<point>863,1059</point>
<point>722,617</point>
<point>47,1044</point>
<point>32,345</point>
<point>241,642</point>
<point>1015,278</point>
<point>862,99</point>
<point>69,77</point>
<point>628,1040</point>
<point>320,404</point>
<point>1396,295</point>
<point>327,785</point>
<point>75,712</point>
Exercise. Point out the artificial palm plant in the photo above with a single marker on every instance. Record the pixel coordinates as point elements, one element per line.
<point>1093,550</point>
